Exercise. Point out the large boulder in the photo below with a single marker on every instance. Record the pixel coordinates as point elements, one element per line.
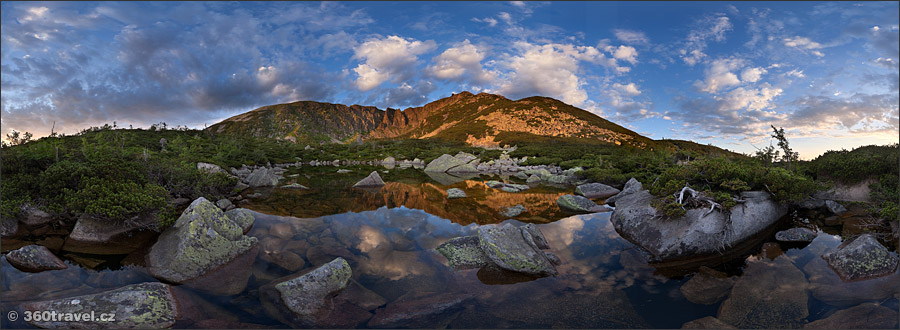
<point>835,207</point>
<point>373,180</point>
<point>697,233</point>
<point>770,294</point>
<point>210,168</point>
<point>203,242</point>
<point>464,252</point>
<point>864,316</point>
<point>513,249</point>
<point>796,235</point>
<point>861,257</point>
<point>465,157</point>
<point>454,193</point>
<point>307,300</point>
<point>103,236</point>
<point>443,163</point>
<point>34,217</point>
<point>262,177</point>
<point>135,306</point>
<point>578,204</point>
<point>34,258</point>
<point>828,287</point>
<point>631,187</point>
<point>596,190</point>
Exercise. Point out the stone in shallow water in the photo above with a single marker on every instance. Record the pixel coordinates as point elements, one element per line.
<point>574,203</point>
<point>596,190</point>
<point>414,311</point>
<point>455,193</point>
<point>373,180</point>
<point>864,316</point>
<point>707,287</point>
<point>708,322</point>
<point>827,286</point>
<point>140,306</point>
<point>796,235</point>
<point>34,258</point>
<point>507,247</point>
<point>305,295</point>
<point>770,294</point>
<point>512,211</point>
<point>463,252</point>
<point>860,258</point>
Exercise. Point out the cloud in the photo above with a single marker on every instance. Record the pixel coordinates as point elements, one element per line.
<point>490,21</point>
<point>795,73</point>
<point>805,44</point>
<point>506,17</point>
<point>719,75</point>
<point>550,70</point>
<point>631,36</point>
<point>462,62</point>
<point>630,89</point>
<point>406,95</point>
<point>752,74</point>
<point>392,57</point>
<point>626,53</point>
<point>858,113</point>
<point>709,28</point>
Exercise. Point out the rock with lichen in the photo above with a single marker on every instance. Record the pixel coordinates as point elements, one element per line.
<point>136,306</point>
<point>34,258</point>
<point>860,258</point>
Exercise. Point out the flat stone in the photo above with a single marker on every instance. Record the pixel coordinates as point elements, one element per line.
<point>104,236</point>
<point>864,316</point>
<point>707,287</point>
<point>507,247</point>
<point>136,306</point>
<point>463,252</point>
<point>708,322</point>
<point>860,258</point>
<point>770,294</point>
<point>513,211</point>
<point>373,180</point>
<point>34,217</point>
<point>34,258</point>
<point>455,193</point>
<point>578,204</point>
<point>796,235</point>
<point>596,190</point>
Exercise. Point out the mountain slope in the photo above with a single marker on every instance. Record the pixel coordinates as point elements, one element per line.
<point>479,120</point>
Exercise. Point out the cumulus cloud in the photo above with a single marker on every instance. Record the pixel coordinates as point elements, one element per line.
<point>858,113</point>
<point>490,21</point>
<point>711,28</point>
<point>752,74</point>
<point>629,89</point>
<point>460,63</point>
<point>625,53</point>
<point>392,57</point>
<point>805,44</point>
<point>631,36</point>
<point>719,75</point>
<point>550,70</point>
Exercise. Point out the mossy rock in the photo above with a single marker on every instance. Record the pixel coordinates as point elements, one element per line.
<point>136,306</point>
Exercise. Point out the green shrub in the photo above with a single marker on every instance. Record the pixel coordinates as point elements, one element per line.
<point>116,200</point>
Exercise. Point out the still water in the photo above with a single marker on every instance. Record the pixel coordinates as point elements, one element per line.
<point>388,236</point>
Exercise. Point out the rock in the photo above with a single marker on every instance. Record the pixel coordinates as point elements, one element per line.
<point>8,227</point>
<point>238,187</point>
<point>210,168</point>
<point>696,233</point>
<point>465,157</point>
<point>864,316</point>
<point>771,250</point>
<point>534,178</point>
<point>536,235</point>
<point>224,203</point>
<point>373,180</point>
<point>860,258</point>
<point>828,287</point>
<point>241,217</point>
<point>342,171</point>
<point>574,203</point>
<point>708,322</point>
<point>104,236</point>
<point>294,186</point>
<point>34,258</point>
<point>512,211</point>
<point>455,193</point>
<point>136,306</point>
<point>796,235</point>
<point>507,187</point>
<point>262,177</point>
<point>282,230</point>
<point>834,207</point>
<point>521,175</point>
<point>631,187</point>
<point>558,179</point>
<point>596,190</point>
<point>203,240</point>
<point>34,217</point>
<point>509,249</point>
<point>770,294</point>
<point>388,160</point>
<point>287,260</point>
<point>308,297</point>
<point>463,252</point>
<point>424,312</point>
<point>600,208</point>
<point>465,168</point>
<point>362,297</point>
<point>707,287</point>
<point>443,163</point>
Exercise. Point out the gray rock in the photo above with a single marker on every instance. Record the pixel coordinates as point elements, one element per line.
<point>224,203</point>
<point>8,227</point>
<point>536,235</point>
<point>262,177</point>
<point>294,186</point>
<point>210,168</point>
<point>574,203</point>
<point>534,178</point>
<point>342,171</point>
<point>443,163</point>
<point>696,233</point>
<point>558,179</point>
<point>241,217</point>
<point>455,193</point>
<point>240,186</point>
<point>34,258</point>
<point>135,306</point>
<point>465,157</point>
<point>507,187</point>
<point>373,180</point>
<point>770,294</point>
<point>631,187</point>
<point>512,211</point>
<point>864,316</point>
<point>103,236</point>
<point>860,258</point>
<point>708,322</point>
<point>388,160</point>
<point>202,240</point>
<point>828,287</point>
<point>506,247</point>
<point>834,207</point>
<point>431,311</point>
<point>34,217</point>
<point>308,294</point>
<point>707,287</point>
<point>521,175</point>
<point>596,190</point>
<point>463,252</point>
<point>796,235</point>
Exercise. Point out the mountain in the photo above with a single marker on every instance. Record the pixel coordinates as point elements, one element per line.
<point>484,120</point>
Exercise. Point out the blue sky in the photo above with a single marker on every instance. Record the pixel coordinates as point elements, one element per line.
<point>711,72</point>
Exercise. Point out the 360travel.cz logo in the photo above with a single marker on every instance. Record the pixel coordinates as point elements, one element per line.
<point>54,316</point>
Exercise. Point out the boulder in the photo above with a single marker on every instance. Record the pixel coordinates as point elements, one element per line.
<point>507,187</point>
<point>203,241</point>
<point>707,287</point>
<point>388,160</point>
<point>698,232</point>
<point>828,287</point>
<point>578,204</point>
<point>242,217</point>
<point>104,236</point>
<point>864,316</point>
<point>834,207</point>
<point>210,168</point>
<point>306,300</point>
<point>463,252</point>
<point>453,193</point>
<point>596,190</point>
<point>512,249</point>
<point>861,257</point>
<point>224,204</point>
<point>34,258</point>
<point>708,322</point>
<point>34,217</point>
<point>770,294</point>
<point>465,157</point>
<point>796,235</point>
<point>262,177</point>
<point>135,306</point>
<point>534,178</point>
<point>631,187</point>
<point>558,179</point>
<point>512,211</point>
<point>443,163</point>
<point>8,227</point>
<point>240,186</point>
<point>429,311</point>
<point>373,180</point>
<point>465,168</point>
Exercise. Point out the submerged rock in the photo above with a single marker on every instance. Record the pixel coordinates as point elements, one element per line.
<point>708,322</point>
<point>796,235</point>
<point>573,203</point>
<point>463,252</point>
<point>507,247</point>
<point>34,258</point>
<point>202,240</point>
<point>453,193</point>
<point>104,236</point>
<point>136,306</point>
<point>373,180</point>
<point>770,294</point>
<point>860,258</point>
<point>596,190</point>
<point>707,287</point>
<point>308,300</point>
<point>864,316</point>
<point>512,211</point>
<point>828,287</point>
<point>432,311</point>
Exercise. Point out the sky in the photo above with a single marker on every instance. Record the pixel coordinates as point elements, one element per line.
<point>716,73</point>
